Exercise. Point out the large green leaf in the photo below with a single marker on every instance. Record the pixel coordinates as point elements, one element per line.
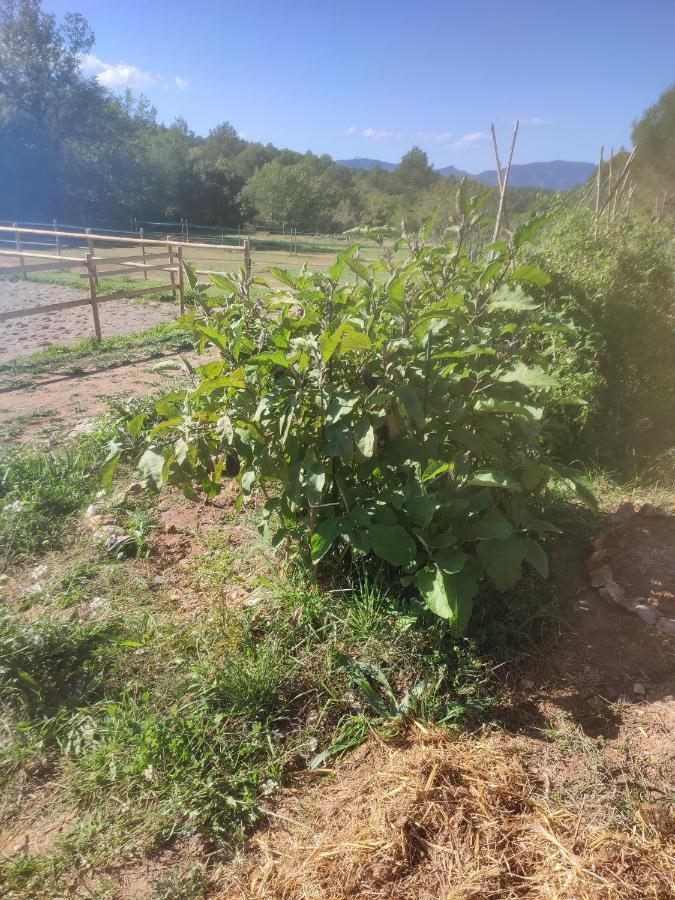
<point>513,300</point>
<point>151,466</point>
<point>282,275</point>
<point>483,529</point>
<point>315,481</point>
<point>357,266</point>
<point>393,544</point>
<point>364,435</point>
<point>323,537</point>
<point>495,479</point>
<point>530,376</point>
<point>502,560</point>
<point>411,404</point>
<point>448,596</point>
<point>431,585</point>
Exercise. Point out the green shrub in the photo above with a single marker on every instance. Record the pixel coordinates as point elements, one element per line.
<point>619,290</point>
<point>393,413</point>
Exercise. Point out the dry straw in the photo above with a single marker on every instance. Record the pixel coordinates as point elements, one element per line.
<point>452,820</point>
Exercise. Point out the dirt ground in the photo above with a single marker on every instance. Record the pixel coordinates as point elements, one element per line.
<point>60,403</point>
<point>22,337</point>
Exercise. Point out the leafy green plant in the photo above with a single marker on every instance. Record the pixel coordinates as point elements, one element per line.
<point>399,419</point>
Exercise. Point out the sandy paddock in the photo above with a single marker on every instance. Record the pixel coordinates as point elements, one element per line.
<point>24,336</point>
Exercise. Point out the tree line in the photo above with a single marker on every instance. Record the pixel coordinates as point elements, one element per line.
<point>72,149</point>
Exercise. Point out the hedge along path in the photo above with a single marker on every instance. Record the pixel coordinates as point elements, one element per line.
<point>173,265</point>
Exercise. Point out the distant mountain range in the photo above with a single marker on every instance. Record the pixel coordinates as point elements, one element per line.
<point>558,175</point>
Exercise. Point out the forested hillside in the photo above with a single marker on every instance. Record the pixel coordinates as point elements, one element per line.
<point>72,149</point>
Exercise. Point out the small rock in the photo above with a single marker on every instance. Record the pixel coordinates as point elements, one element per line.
<point>33,589</point>
<point>100,495</point>
<point>639,688</point>
<point>14,508</point>
<point>601,576</point>
<point>38,572</point>
<point>647,613</point>
<point>251,601</point>
<point>158,579</point>
<point>527,684</point>
<point>171,528</point>
<point>666,625</point>
<point>93,510</point>
<point>134,488</point>
<point>613,592</point>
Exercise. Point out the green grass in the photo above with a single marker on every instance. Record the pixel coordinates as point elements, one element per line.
<point>39,492</point>
<point>167,337</point>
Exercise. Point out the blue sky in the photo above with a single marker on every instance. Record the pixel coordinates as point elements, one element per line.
<point>372,79</point>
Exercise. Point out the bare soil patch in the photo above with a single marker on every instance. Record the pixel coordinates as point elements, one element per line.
<point>69,400</point>
<point>641,554</point>
<point>25,336</point>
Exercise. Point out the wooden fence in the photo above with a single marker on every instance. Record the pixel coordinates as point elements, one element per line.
<point>171,256</point>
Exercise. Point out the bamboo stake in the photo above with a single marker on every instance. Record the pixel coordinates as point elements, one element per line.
<point>504,184</point>
<point>597,193</point>
<point>609,182</point>
<point>625,172</point>
<point>499,164</point>
<point>18,247</point>
<point>181,283</point>
<point>91,266</point>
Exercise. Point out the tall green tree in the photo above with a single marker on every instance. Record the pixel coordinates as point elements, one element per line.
<point>654,136</point>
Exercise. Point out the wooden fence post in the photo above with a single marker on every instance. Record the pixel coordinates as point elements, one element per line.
<point>90,242</point>
<point>247,257</point>
<point>181,283</point>
<point>172,273</point>
<point>56,237</point>
<point>91,270</point>
<point>145,271</point>
<point>17,235</point>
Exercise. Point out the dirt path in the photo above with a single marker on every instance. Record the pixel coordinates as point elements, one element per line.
<point>22,337</point>
<point>58,403</point>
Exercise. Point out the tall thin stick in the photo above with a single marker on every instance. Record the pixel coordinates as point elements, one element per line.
<point>597,193</point>
<point>499,164</point>
<point>91,271</point>
<point>504,185</point>
<point>625,172</point>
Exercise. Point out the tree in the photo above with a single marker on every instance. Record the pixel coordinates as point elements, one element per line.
<point>283,193</point>
<point>67,145</point>
<point>654,136</point>
<point>414,172</point>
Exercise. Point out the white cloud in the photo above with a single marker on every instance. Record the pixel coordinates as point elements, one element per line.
<point>437,137</point>
<point>376,134</point>
<point>181,83</point>
<point>118,75</point>
<point>351,130</point>
<point>467,140</point>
